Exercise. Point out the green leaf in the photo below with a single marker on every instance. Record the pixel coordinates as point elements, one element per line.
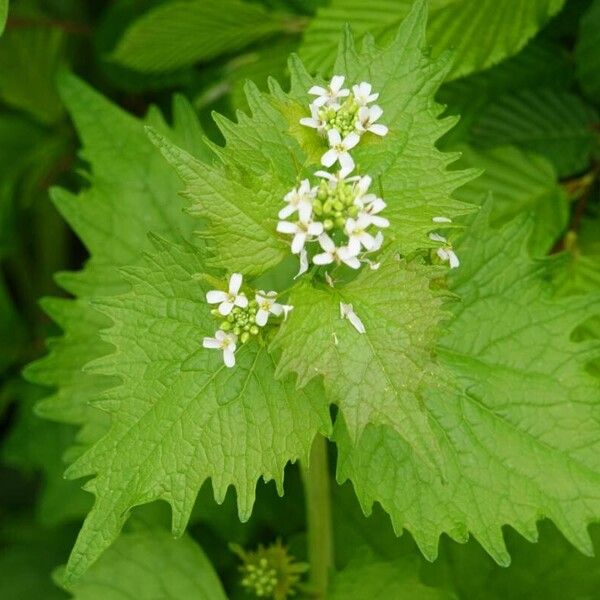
<point>3,14</point>
<point>148,563</point>
<point>364,578</point>
<point>178,34</point>
<point>180,416</point>
<point>131,192</point>
<point>481,32</point>
<point>586,52</point>
<point>29,60</point>
<point>375,377</point>
<point>519,181</point>
<point>520,442</point>
<point>555,124</point>
<point>541,63</point>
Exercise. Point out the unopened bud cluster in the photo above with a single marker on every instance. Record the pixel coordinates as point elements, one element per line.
<point>269,571</point>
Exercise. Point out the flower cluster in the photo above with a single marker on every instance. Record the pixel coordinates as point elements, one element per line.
<point>270,572</point>
<point>339,211</point>
<point>241,319</point>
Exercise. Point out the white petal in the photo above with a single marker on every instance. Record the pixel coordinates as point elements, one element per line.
<point>303,264</point>
<point>235,283</point>
<point>343,93</point>
<point>337,81</point>
<point>378,129</point>
<point>286,212</point>
<point>346,162</point>
<point>209,342</point>
<point>378,242</point>
<point>311,122</point>
<point>364,183</point>
<point>367,240</point>
<point>228,357</point>
<point>329,157</point>
<point>326,175</point>
<point>322,259</point>
<point>353,246</point>
<point>334,137</point>
<point>454,262</point>
<point>261,317</point>
<point>436,237</point>
<point>225,308</point>
<point>298,242</point>
<point>220,335</point>
<point>286,227</point>
<point>320,101</point>
<point>304,187</point>
<point>317,90</point>
<point>356,322</point>
<point>443,255</point>
<point>351,261</point>
<point>441,220</point>
<point>241,301</point>
<point>376,205</point>
<point>351,140</point>
<point>381,222</point>
<point>315,228</point>
<point>375,112</point>
<point>305,211</point>
<point>326,243</point>
<point>216,296</point>
<point>277,309</point>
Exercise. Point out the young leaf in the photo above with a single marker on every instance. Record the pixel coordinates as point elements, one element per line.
<point>180,416</point>
<point>521,441</point>
<point>482,32</point>
<point>178,34</point>
<point>555,124</point>
<point>148,563</point>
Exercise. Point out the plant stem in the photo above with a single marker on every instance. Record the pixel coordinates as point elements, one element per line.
<point>318,513</point>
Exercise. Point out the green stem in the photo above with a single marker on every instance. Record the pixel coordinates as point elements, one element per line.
<point>318,513</point>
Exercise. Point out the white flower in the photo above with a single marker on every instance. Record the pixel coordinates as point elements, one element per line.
<point>378,242</point>
<point>299,199</point>
<point>303,263</point>
<point>227,300</point>
<point>367,117</point>
<point>301,230</point>
<point>286,309</point>
<point>225,342</point>
<point>266,304</point>
<point>331,93</point>
<point>357,236</point>
<point>362,93</point>
<point>340,151</point>
<point>314,120</point>
<point>347,312</point>
<point>372,210</point>
<point>361,188</point>
<point>333,254</point>
<point>441,220</point>
<point>445,253</point>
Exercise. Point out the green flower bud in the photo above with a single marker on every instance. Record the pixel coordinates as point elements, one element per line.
<point>340,221</point>
<point>237,330</point>
<point>338,205</point>
<point>244,337</point>
<point>328,224</point>
<point>353,211</point>
<point>214,312</point>
<point>225,326</point>
<point>254,330</point>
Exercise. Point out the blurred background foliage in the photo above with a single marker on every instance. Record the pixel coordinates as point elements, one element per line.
<point>526,82</point>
